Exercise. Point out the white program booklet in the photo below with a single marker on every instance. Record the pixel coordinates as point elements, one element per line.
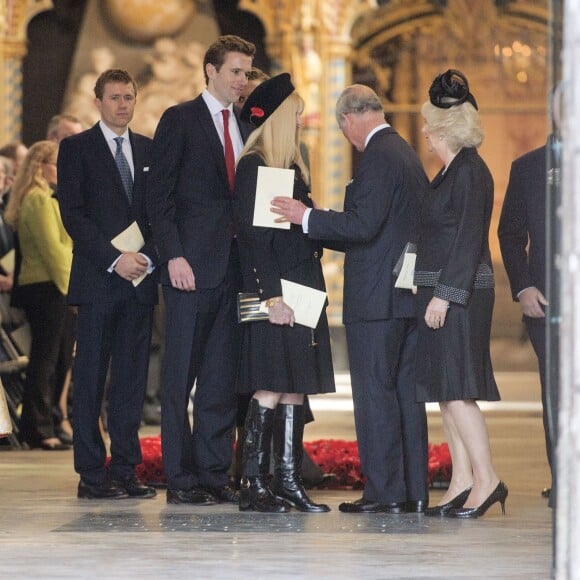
<point>306,302</point>
<point>130,240</point>
<point>272,182</point>
<point>405,278</point>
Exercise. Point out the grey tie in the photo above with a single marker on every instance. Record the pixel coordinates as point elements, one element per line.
<point>124,169</point>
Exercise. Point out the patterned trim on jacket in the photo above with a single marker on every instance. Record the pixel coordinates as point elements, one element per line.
<point>483,279</point>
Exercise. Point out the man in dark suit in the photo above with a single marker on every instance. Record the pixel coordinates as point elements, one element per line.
<point>522,240</point>
<point>101,187</point>
<point>190,206</point>
<point>378,219</point>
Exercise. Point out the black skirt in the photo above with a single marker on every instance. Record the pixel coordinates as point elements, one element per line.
<point>286,359</point>
<point>453,362</point>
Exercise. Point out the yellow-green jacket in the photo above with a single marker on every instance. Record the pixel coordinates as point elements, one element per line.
<point>45,246</point>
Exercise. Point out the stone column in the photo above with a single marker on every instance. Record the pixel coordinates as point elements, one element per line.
<point>568,510</point>
<point>14,18</point>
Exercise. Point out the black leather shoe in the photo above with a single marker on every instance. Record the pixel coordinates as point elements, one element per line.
<point>222,493</point>
<point>416,506</point>
<point>546,492</point>
<point>193,496</point>
<point>104,490</point>
<point>365,506</point>
<point>134,487</point>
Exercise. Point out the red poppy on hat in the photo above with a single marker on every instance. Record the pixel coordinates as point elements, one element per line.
<point>266,98</point>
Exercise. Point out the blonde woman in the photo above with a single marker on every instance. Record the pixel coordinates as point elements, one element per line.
<point>41,285</point>
<point>281,361</point>
<point>455,296</point>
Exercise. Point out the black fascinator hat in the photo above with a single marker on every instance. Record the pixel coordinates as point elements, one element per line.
<point>266,98</point>
<point>450,89</point>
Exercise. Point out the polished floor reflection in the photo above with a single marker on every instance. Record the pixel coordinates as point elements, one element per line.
<point>45,532</point>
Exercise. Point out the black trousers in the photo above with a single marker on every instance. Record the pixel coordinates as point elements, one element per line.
<point>202,346</point>
<point>536,328</point>
<point>116,334</point>
<point>391,427</point>
<point>45,308</point>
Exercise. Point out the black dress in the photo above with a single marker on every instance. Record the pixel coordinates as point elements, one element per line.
<point>277,358</point>
<point>454,263</point>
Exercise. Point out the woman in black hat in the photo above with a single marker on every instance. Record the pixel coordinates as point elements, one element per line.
<point>281,361</point>
<point>455,295</point>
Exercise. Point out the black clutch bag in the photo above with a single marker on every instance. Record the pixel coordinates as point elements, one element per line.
<point>250,307</point>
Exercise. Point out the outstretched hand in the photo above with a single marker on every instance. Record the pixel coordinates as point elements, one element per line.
<point>290,210</point>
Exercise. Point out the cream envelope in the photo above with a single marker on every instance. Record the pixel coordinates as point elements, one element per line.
<point>130,240</point>
<point>272,182</point>
<point>306,302</point>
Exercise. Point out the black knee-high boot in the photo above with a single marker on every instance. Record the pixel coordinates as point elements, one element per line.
<point>255,493</point>
<point>288,453</point>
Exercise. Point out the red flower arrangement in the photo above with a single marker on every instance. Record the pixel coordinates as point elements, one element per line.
<point>334,456</point>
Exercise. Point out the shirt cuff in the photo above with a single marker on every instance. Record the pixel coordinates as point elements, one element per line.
<point>150,266</point>
<point>112,266</point>
<point>305,220</point>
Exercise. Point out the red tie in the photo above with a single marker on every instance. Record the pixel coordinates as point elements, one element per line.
<point>229,149</point>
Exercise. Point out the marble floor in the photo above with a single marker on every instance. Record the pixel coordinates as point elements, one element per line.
<point>45,532</point>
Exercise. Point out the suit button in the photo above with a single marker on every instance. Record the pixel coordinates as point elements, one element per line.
<point>316,254</point>
<point>257,280</point>
<point>255,270</point>
<point>261,291</point>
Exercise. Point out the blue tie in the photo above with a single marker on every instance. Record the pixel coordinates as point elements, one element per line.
<point>124,169</point>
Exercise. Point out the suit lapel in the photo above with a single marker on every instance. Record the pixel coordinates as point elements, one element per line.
<point>137,164</point>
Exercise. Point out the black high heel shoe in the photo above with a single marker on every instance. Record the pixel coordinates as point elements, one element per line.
<point>456,502</point>
<point>499,494</point>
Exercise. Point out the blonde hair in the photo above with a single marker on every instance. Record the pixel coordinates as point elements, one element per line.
<point>28,177</point>
<point>277,140</point>
<point>460,125</point>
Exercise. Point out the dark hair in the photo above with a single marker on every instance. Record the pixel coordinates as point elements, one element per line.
<point>216,53</point>
<point>114,75</point>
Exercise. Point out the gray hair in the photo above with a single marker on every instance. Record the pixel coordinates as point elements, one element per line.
<point>357,99</point>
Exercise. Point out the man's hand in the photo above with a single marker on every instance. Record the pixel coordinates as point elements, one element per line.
<point>281,313</point>
<point>291,210</point>
<point>181,274</point>
<point>532,301</point>
<point>131,265</point>
<point>436,312</point>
